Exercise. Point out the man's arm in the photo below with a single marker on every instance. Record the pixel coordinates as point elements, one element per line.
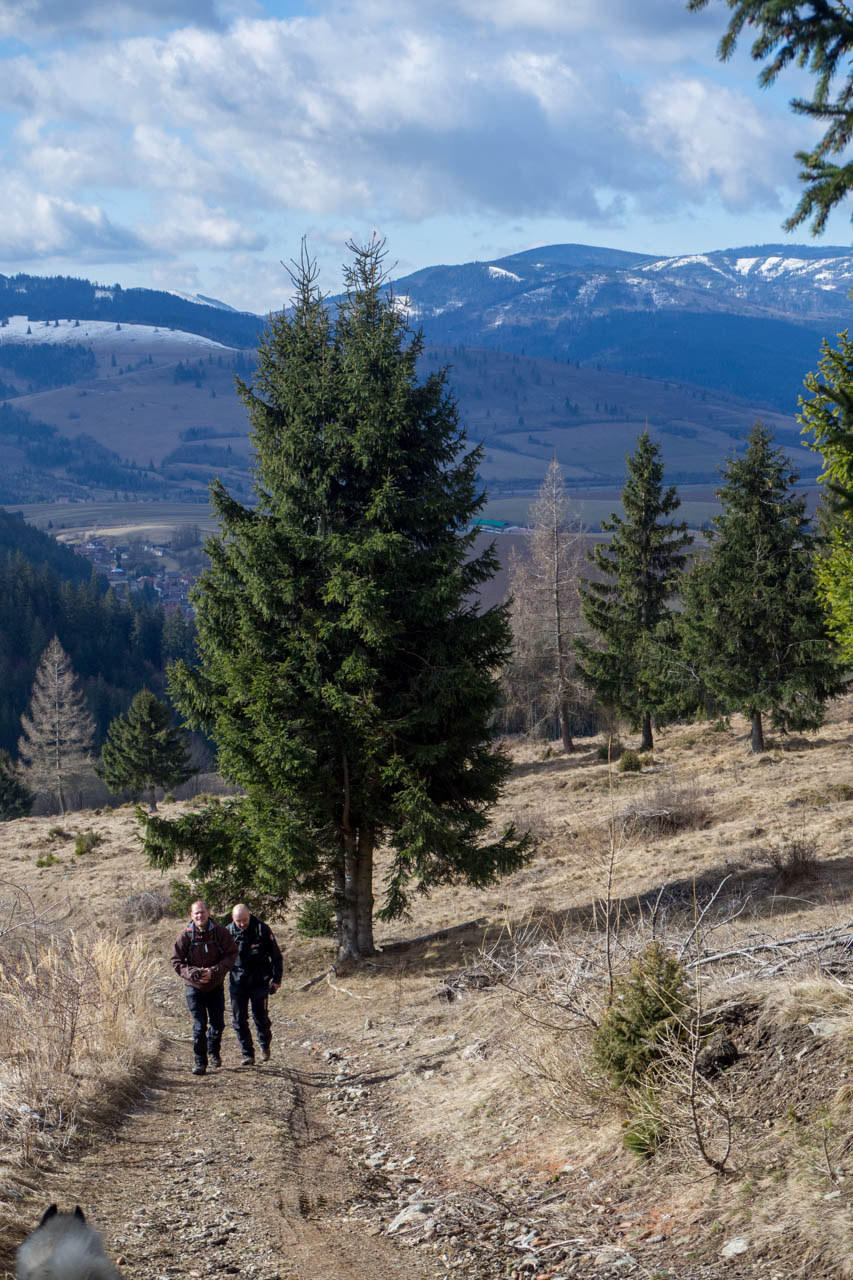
<point>179,956</point>
<point>274,952</point>
<point>229,954</point>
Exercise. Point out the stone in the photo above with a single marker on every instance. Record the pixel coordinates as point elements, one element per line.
<point>825,1026</point>
<point>735,1247</point>
<point>416,1214</point>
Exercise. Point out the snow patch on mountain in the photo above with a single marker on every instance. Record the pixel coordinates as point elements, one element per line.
<point>200,300</point>
<point>102,332</point>
<point>495,272</point>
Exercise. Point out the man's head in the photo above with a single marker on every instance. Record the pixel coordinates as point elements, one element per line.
<point>200,914</point>
<point>241,915</point>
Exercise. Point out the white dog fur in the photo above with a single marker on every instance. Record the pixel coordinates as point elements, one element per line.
<point>64,1247</point>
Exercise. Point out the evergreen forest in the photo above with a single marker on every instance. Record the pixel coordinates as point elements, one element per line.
<point>48,298</point>
<point>115,647</point>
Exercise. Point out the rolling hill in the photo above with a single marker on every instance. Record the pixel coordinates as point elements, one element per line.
<point>566,351</point>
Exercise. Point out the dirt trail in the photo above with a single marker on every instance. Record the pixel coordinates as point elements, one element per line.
<point>233,1173</point>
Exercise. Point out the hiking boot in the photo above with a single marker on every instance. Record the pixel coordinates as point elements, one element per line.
<point>199,1069</point>
<point>215,1060</point>
<point>248,1060</point>
<point>265,1055</point>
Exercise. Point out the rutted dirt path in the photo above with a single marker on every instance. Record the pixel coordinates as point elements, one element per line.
<point>234,1173</point>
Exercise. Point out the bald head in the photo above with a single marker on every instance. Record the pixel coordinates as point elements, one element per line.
<point>241,915</point>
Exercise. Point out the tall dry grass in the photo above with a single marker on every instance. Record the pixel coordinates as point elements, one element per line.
<point>77,1030</point>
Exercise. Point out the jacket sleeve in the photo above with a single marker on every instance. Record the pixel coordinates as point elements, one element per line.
<point>274,951</point>
<point>229,954</point>
<point>179,957</point>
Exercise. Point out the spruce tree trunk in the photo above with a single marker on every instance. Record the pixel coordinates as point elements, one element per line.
<point>152,800</point>
<point>757,737</point>
<point>339,890</point>
<point>364,892</point>
<point>647,741</point>
<point>565,727</point>
<point>346,903</point>
<point>354,897</point>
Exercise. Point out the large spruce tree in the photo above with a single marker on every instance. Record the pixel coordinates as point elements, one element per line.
<point>627,607</point>
<point>752,624</point>
<point>346,672</point>
<point>143,750</point>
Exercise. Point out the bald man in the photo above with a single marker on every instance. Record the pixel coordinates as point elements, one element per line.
<point>255,977</point>
<point>202,955</point>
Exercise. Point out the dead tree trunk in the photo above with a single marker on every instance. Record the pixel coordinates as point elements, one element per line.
<point>566,727</point>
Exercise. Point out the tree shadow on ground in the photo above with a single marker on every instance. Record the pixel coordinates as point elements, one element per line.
<point>558,763</point>
<point>757,890</point>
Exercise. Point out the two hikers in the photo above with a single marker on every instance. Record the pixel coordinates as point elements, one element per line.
<point>203,955</point>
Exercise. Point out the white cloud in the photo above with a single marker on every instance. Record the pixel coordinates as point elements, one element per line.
<point>193,225</point>
<point>716,139</point>
<point>34,224</point>
<point>374,112</point>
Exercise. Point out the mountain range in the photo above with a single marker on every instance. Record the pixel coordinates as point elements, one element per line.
<point>564,350</point>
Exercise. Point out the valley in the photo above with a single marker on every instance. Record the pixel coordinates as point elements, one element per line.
<point>568,352</point>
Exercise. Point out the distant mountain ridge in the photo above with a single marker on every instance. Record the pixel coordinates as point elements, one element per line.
<point>563,351</point>
<point>747,320</point>
<point>66,297</point>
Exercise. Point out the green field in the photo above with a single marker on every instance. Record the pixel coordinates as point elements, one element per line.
<point>70,521</point>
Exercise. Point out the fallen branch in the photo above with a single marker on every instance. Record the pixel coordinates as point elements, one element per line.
<point>824,939</point>
<point>312,982</point>
<point>402,944</point>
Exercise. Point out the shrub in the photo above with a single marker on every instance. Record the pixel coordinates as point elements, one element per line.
<point>649,1006</point>
<point>609,750</point>
<point>629,762</point>
<point>667,810</point>
<point>47,860</point>
<point>57,833</point>
<point>794,858</point>
<point>643,1133</point>
<point>316,916</point>
<point>181,896</point>
<point>87,841</point>
<point>149,906</point>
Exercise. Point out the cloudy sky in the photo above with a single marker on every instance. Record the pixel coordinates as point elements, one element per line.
<point>190,144</point>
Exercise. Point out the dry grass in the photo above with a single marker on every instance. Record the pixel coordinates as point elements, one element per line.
<point>505,1066</point>
<point>76,1030</point>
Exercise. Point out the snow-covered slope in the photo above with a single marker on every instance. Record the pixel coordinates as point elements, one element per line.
<point>101,333</point>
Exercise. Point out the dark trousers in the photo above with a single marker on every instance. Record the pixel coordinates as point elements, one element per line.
<point>208,1011</point>
<point>242,997</point>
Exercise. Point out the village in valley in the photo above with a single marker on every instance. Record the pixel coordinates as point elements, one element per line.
<point>139,566</point>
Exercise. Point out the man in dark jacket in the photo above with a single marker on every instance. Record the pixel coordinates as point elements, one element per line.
<point>255,977</point>
<point>203,954</point>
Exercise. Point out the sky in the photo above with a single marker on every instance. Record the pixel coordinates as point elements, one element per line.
<point>191,144</point>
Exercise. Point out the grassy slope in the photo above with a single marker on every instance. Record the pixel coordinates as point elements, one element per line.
<point>514,404</point>
<point>488,1067</point>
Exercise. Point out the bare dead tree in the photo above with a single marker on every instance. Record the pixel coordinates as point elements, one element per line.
<point>546,615</point>
<point>56,738</point>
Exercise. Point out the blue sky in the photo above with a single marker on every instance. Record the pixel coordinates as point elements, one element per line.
<point>190,144</point>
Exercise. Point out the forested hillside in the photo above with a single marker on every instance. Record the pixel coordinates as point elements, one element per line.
<point>66,297</point>
<point>115,648</point>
